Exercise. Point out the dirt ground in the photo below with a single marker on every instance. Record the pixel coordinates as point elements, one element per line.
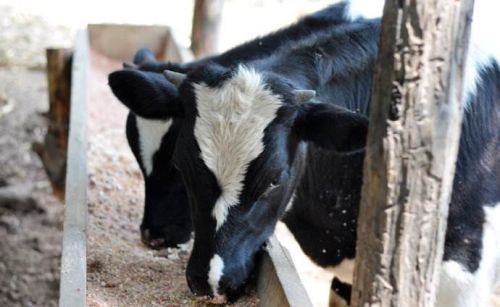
<point>121,270</point>
<point>31,220</point>
<point>30,217</point>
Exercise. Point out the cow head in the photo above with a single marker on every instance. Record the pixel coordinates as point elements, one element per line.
<point>152,135</point>
<point>240,150</point>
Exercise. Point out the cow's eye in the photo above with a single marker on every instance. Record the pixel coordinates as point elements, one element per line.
<point>274,183</point>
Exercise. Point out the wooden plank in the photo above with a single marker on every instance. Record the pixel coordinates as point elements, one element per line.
<point>413,140</point>
<point>120,42</point>
<point>279,283</point>
<point>73,262</point>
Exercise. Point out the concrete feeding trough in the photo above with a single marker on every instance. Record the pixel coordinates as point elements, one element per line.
<point>278,283</point>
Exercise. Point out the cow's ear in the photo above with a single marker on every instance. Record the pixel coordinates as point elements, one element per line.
<point>144,55</point>
<point>331,127</point>
<point>146,94</point>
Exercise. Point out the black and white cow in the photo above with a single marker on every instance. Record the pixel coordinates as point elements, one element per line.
<point>252,136</point>
<point>152,134</point>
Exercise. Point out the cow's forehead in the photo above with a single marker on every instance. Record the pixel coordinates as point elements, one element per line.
<point>230,128</point>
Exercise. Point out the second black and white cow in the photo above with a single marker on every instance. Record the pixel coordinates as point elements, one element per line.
<point>251,136</point>
<point>152,134</point>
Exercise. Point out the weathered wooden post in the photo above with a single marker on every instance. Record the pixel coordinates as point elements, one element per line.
<point>53,151</point>
<point>411,151</point>
<point>206,24</point>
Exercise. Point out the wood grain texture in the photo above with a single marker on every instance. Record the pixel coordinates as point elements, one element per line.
<point>412,146</point>
<point>279,283</point>
<point>72,291</point>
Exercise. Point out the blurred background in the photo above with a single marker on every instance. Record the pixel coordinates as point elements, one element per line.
<point>28,26</point>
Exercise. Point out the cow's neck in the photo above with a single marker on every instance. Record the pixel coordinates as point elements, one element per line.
<point>337,54</point>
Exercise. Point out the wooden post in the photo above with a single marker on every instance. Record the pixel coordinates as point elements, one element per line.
<point>206,24</point>
<point>415,122</point>
<point>53,151</point>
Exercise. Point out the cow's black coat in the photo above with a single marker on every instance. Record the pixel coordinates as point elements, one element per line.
<point>166,220</point>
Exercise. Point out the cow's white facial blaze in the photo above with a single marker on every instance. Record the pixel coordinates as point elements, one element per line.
<point>215,272</point>
<point>229,130</point>
<point>151,133</point>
